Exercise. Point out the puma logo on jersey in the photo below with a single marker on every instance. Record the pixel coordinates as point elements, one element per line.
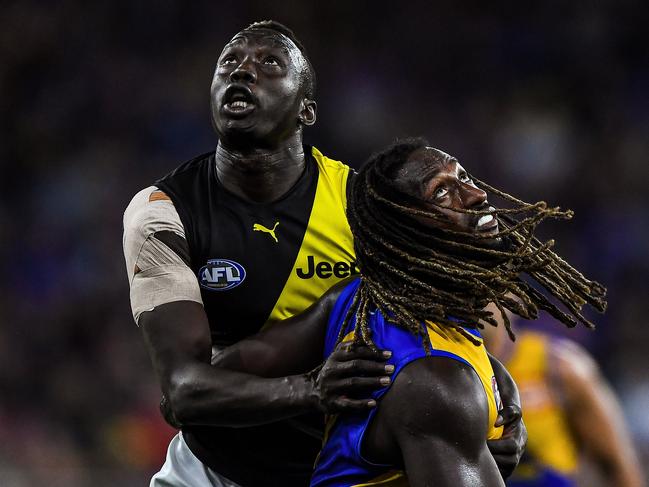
<point>258,227</point>
<point>326,269</point>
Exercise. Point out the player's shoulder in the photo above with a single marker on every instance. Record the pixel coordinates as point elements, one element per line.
<point>327,162</point>
<point>141,201</point>
<point>190,167</point>
<point>443,396</point>
<point>151,210</point>
<point>571,361</point>
<point>335,171</point>
<point>454,382</point>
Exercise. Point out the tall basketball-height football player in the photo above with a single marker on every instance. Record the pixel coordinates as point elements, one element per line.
<point>236,240</point>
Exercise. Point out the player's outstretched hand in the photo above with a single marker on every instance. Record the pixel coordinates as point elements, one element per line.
<point>508,450</point>
<point>347,378</point>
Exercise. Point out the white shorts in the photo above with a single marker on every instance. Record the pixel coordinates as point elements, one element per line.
<point>183,469</point>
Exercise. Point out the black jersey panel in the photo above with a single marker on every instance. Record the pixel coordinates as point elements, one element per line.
<point>250,261</point>
<point>242,252</point>
<point>265,240</point>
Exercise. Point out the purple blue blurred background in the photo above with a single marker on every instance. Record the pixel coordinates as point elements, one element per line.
<point>98,99</point>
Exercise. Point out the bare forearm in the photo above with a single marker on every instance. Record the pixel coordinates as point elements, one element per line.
<point>626,476</point>
<point>617,459</point>
<point>199,393</point>
<point>596,416</point>
<point>202,394</point>
<point>177,336</point>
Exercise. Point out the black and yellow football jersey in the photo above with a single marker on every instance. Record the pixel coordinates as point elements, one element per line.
<point>256,264</point>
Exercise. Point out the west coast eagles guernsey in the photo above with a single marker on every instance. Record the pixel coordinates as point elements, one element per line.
<point>551,455</point>
<point>255,264</point>
<point>341,462</point>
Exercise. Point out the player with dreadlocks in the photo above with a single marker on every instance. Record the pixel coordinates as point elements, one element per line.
<point>433,253</point>
<point>414,273</point>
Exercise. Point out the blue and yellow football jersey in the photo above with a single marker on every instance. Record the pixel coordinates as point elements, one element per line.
<point>341,462</point>
<point>551,456</point>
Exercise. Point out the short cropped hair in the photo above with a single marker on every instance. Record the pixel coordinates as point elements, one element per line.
<point>285,31</point>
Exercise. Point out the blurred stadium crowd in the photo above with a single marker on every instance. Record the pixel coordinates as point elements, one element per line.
<point>100,98</point>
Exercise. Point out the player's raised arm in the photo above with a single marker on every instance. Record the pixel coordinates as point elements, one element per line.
<point>595,416</point>
<point>449,452</point>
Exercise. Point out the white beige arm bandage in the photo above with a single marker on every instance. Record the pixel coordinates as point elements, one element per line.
<point>156,273</point>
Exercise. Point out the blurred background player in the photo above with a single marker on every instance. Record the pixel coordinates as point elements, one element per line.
<point>571,413</point>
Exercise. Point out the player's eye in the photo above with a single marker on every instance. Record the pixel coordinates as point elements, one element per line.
<point>228,60</point>
<point>440,192</point>
<point>271,61</point>
<point>465,178</point>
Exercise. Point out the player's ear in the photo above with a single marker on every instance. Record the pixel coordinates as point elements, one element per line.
<point>307,113</point>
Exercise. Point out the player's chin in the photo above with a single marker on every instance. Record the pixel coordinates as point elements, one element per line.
<point>499,242</point>
<point>490,236</point>
<point>489,243</point>
<point>237,123</point>
<point>237,130</point>
<point>495,243</point>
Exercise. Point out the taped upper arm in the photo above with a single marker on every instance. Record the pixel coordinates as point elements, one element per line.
<point>156,253</point>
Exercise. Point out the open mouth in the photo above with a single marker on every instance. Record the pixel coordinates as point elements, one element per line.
<point>238,101</point>
<point>487,223</point>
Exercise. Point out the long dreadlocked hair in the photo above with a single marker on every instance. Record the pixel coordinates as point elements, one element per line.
<point>412,273</point>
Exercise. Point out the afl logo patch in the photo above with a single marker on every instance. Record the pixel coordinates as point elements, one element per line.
<point>221,275</point>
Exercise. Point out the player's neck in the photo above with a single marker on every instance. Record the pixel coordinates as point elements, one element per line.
<point>260,175</point>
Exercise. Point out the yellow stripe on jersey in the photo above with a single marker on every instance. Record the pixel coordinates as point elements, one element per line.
<point>452,341</point>
<point>327,243</point>
<point>394,478</point>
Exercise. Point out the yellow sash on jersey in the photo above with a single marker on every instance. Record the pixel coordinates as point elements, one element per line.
<point>327,240</point>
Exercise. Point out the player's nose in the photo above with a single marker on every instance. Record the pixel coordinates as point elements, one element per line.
<point>473,197</point>
<point>244,72</point>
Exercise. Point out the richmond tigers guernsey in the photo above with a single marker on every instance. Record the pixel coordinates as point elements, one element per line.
<point>341,462</point>
<point>256,264</point>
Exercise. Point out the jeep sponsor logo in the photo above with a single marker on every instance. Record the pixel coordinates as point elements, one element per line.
<point>324,269</point>
<point>221,275</point>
